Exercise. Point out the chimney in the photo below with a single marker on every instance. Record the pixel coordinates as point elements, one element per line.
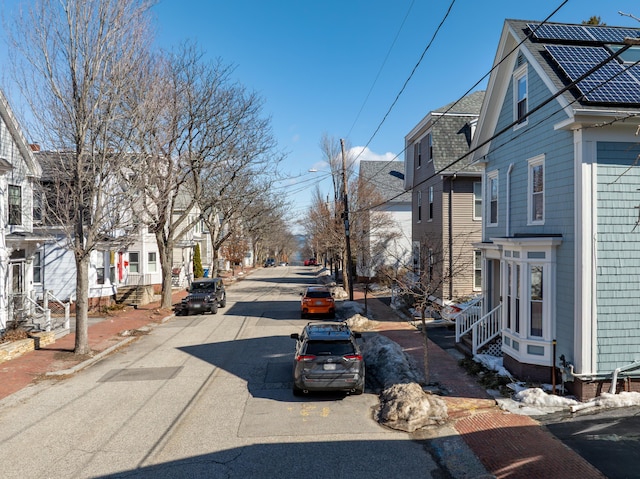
<point>34,147</point>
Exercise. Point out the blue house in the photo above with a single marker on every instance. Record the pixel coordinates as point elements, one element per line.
<point>558,138</point>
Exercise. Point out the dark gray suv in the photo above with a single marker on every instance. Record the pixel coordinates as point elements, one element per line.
<point>205,296</point>
<point>327,358</point>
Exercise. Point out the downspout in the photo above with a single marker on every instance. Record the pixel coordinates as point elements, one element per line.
<point>452,178</point>
<point>508,221</point>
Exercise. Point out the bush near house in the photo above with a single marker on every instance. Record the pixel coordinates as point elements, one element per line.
<point>198,270</point>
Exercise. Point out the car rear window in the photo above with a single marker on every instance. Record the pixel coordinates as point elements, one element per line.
<point>329,348</point>
<point>318,294</point>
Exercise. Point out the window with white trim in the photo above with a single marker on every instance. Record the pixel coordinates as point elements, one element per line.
<point>521,95</point>
<point>536,190</point>
<point>152,262</point>
<point>37,267</point>
<point>100,267</point>
<point>477,270</point>
<point>430,203</point>
<point>15,205</point>
<point>134,262</point>
<point>429,140</point>
<point>493,198</point>
<point>418,154</point>
<point>419,206</point>
<point>477,200</point>
<point>536,301</point>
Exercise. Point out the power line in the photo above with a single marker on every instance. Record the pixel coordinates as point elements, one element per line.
<point>508,127</point>
<point>452,105</point>
<point>406,82</point>
<point>384,62</point>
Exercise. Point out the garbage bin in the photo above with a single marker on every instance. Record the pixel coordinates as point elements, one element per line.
<point>206,272</point>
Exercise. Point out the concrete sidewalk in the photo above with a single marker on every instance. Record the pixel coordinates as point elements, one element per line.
<point>508,445</point>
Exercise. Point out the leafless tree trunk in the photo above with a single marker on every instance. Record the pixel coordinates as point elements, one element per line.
<point>74,60</point>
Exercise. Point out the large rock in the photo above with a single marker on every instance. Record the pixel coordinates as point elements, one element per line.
<point>406,407</point>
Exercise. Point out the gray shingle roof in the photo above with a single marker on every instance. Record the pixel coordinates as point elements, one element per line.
<point>385,178</point>
<point>469,104</point>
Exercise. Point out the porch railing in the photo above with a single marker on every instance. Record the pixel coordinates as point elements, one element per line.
<point>25,310</point>
<point>138,279</point>
<point>486,328</point>
<point>482,329</point>
<point>466,318</point>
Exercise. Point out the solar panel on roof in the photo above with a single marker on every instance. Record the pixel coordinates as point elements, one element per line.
<point>587,33</point>
<point>612,35</point>
<point>547,31</point>
<point>611,83</point>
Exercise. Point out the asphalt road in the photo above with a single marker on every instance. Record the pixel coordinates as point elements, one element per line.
<point>205,396</point>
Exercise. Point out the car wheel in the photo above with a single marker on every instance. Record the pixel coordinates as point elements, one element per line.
<point>303,315</point>
<point>358,391</point>
<point>297,391</point>
<point>214,308</point>
<point>223,302</point>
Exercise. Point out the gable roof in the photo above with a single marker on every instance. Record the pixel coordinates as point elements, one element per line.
<point>385,178</point>
<point>16,133</point>
<point>522,40</point>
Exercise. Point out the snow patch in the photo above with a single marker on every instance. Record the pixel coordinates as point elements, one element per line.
<point>388,363</point>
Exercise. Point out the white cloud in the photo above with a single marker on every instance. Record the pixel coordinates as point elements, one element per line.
<point>364,153</point>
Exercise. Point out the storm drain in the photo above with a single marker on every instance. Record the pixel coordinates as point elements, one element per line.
<point>140,374</point>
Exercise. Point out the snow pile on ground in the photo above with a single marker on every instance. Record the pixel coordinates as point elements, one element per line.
<point>492,363</point>
<point>407,407</point>
<point>357,322</point>
<point>537,397</point>
<point>388,363</point>
<point>350,308</point>
<point>339,292</point>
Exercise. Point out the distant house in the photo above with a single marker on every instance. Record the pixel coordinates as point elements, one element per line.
<point>387,223</point>
<point>561,223</point>
<point>20,257</point>
<point>446,198</point>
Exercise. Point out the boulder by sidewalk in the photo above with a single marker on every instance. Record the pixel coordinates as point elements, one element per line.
<point>407,407</point>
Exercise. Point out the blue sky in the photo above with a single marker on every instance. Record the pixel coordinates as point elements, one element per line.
<point>337,66</point>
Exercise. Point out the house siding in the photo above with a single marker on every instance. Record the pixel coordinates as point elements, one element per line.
<point>618,255</point>
<point>519,146</point>
<point>465,232</point>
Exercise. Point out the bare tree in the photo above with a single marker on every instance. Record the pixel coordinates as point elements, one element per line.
<point>192,112</point>
<point>433,267</point>
<point>74,61</point>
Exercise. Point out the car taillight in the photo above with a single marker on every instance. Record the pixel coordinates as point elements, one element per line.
<point>305,357</point>
<point>353,357</point>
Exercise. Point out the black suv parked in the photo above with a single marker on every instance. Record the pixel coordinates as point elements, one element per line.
<point>205,295</point>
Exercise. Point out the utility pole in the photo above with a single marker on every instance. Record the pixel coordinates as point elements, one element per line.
<point>349,267</point>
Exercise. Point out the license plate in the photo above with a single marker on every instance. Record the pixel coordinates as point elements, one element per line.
<point>319,303</point>
<point>329,367</point>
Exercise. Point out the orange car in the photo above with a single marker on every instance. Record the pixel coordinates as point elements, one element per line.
<point>317,300</point>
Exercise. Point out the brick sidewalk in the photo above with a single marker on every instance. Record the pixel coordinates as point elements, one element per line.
<point>20,372</point>
<point>509,445</point>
